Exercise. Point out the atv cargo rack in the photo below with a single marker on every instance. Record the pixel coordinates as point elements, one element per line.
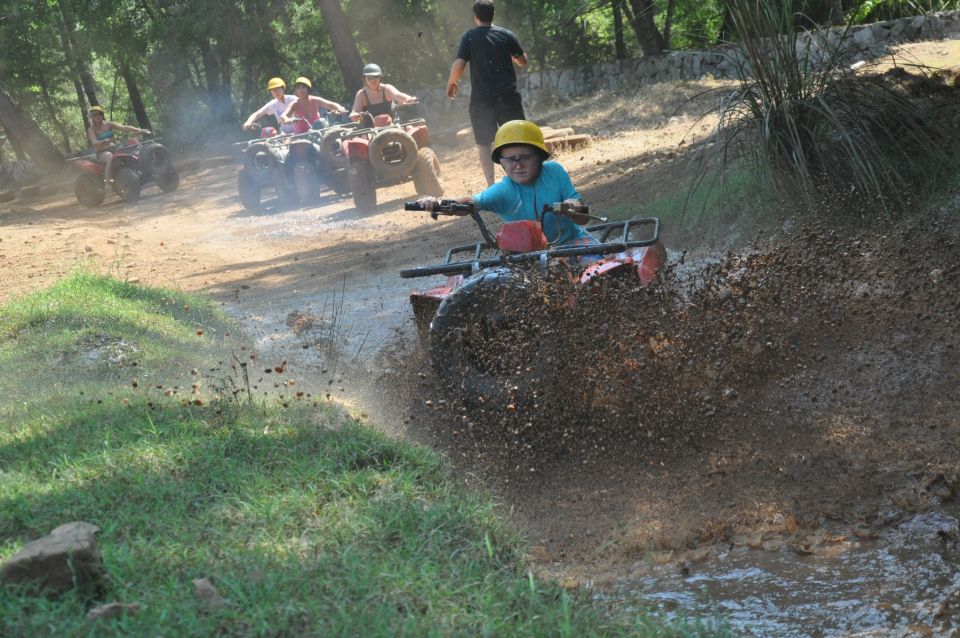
<point>621,232</point>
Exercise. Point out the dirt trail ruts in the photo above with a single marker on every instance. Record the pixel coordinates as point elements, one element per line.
<point>705,433</point>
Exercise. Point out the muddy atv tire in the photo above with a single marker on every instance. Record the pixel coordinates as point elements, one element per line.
<point>393,153</point>
<point>127,184</point>
<point>426,174</point>
<point>330,151</point>
<point>248,190</point>
<point>89,189</point>
<point>478,344</point>
<point>260,164</point>
<point>155,160</point>
<point>169,181</point>
<point>286,191</point>
<point>362,186</point>
<point>339,181</point>
<point>306,181</point>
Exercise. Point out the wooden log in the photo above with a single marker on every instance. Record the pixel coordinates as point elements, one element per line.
<point>557,132</point>
<point>567,142</point>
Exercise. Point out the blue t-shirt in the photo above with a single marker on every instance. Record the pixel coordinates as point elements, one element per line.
<point>514,202</point>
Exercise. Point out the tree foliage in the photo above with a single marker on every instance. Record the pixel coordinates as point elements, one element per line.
<point>193,69</point>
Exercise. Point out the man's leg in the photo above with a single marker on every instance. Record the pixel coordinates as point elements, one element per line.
<point>486,163</point>
<point>483,120</point>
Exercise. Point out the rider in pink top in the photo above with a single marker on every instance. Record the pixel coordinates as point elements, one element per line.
<point>306,110</point>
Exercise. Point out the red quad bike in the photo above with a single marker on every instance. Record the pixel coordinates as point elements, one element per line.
<point>381,152</point>
<point>135,164</point>
<point>459,320</point>
<point>293,164</point>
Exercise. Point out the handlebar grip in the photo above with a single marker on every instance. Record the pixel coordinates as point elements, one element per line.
<point>412,206</point>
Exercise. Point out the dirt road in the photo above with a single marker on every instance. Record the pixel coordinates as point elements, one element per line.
<point>799,432</point>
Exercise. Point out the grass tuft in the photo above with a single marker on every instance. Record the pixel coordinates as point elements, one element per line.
<point>305,530</point>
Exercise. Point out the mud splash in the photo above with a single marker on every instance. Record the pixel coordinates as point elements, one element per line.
<point>804,386</point>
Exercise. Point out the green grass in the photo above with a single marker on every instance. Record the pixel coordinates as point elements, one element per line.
<point>307,523</point>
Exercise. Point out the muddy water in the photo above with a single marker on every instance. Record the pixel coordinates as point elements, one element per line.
<point>904,583</point>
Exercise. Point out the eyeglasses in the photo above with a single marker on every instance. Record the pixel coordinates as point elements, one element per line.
<point>513,160</point>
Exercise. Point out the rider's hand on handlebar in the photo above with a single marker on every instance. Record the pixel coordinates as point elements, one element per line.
<point>428,203</point>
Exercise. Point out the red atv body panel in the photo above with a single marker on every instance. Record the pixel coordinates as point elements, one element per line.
<point>90,166</point>
<point>357,149</point>
<point>521,237</point>
<point>645,261</point>
<point>527,236</point>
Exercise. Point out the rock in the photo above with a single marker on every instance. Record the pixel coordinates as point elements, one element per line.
<point>207,594</point>
<point>465,136</point>
<point>68,557</point>
<point>7,196</point>
<point>213,162</point>
<point>113,610</point>
<point>30,191</point>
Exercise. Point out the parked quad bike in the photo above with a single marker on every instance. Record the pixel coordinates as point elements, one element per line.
<point>383,151</point>
<point>464,321</point>
<point>294,165</point>
<point>135,164</point>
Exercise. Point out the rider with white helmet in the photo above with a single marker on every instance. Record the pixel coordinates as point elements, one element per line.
<point>377,98</point>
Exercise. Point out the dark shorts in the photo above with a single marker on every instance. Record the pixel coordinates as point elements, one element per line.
<point>486,116</point>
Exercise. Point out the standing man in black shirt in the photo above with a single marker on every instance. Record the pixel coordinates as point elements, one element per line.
<point>491,51</point>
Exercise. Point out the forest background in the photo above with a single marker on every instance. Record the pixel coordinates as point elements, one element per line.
<point>192,70</point>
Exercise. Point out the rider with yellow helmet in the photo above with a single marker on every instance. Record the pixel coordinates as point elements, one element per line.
<point>306,109</point>
<point>531,181</point>
<point>274,107</point>
<point>101,135</point>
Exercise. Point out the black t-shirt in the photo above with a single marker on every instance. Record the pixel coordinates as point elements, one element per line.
<point>490,50</point>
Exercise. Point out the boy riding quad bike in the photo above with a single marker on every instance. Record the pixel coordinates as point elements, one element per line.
<point>490,296</point>
<point>472,310</point>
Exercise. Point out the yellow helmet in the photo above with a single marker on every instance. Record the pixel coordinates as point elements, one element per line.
<point>96,109</point>
<point>517,132</point>
<point>276,83</point>
<point>304,81</point>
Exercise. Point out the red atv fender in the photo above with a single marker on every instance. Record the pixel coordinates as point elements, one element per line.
<point>645,260</point>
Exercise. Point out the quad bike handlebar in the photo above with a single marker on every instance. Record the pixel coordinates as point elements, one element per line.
<point>452,207</point>
<point>116,149</point>
<point>614,237</point>
<point>443,207</point>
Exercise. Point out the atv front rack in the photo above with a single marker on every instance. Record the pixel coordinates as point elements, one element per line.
<point>615,237</point>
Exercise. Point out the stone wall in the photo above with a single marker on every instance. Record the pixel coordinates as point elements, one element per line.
<point>862,42</point>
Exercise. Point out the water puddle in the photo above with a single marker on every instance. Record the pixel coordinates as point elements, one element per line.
<point>904,583</point>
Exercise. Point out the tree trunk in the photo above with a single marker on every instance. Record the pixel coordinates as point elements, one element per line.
<point>24,132</point>
<point>17,148</point>
<point>344,46</point>
<point>57,122</point>
<point>77,60</point>
<point>220,102</point>
<point>651,42</point>
<point>618,43</point>
<point>835,8</point>
<point>668,23</point>
<point>136,100</point>
<point>82,101</point>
